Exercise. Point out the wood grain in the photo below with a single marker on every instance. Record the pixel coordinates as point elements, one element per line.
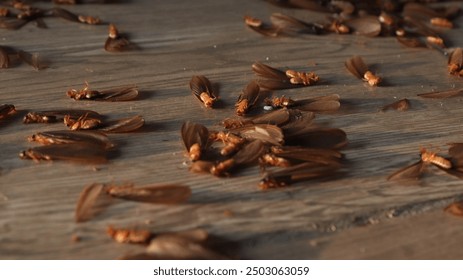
<point>179,39</point>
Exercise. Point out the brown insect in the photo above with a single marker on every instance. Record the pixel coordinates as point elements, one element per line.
<point>441,94</point>
<point>137,236</point>
<point>96,196</point>
<point>232,142</point>
<point>202,89</point>
<point>6,110</point>
<point>455,62</point>
<point>195,137</point>
<point>302,78</point>
<point>248,154</point>
<point>455,208</point>
<point>52,116</point>
<point>329,103</point>
<point>69,137</point>
<point>115,41</point>
<point>399,105</point>
<point>248,98</point>
<point>415,170</point>
<point>83,122</point>
<point>358,68</point>
<point>122,93</point>
<point>79,153</point>
<point>296,173</point>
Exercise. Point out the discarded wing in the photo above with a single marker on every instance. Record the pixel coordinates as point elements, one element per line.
<point>305,154</point>
<point>6,110</point>
<point>92,200</point>
<point>366,25</point>
<point>267,133</point>
<point>277,117</point>
<point>195,137</point>
<point>293,26</point>
<point>316,137</point>
<point>122,125</point>
<point>70,137</point>
<point>441,94</point>
<point>272,78</point>
<point>399,105</point>
<point>413,171</point>
<point>31,59</point>
<point>162,194</point>
<point>202,89</point>
<point>78,153</point>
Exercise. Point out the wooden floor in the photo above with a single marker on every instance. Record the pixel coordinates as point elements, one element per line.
<point>358,216</point>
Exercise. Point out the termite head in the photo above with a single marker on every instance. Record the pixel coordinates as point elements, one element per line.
<point>113,32</point>
<point>371,78</point>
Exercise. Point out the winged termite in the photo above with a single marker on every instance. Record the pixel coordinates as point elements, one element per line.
<point>195,137</point>
<point>121,93</point>
<point>202,89</point>
<point>115,41</point>
<point>302,78</point>
<point>329,103</point>
<point>399,105</point>
<point>124,125</point>
<point>296,173</point>
<point>161,194</point>
<point>258,26</point>
<point>415,170</point>
<point>79,153</point>
<point>305,154</point>
<point>6,110</point>
<point>272,78</point>
<point>267,133</point>
<point>358,68</point>
<point>121,235</point>
<point>58,115</point>
<point>248,98</point>
<point>69,137</point>
<point>455,62</point>
<point>441,94</point>
<point>292,26</point>
<point>82,122</point>
<point>248,154</point>
<point>455,208</point>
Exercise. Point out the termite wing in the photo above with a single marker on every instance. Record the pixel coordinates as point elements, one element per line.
<point>6,110</point>
<point>121,93</point>
<point>267,133</point>
<point>301,134</point>
<point>441,94</point>
<point>399,105</point>
<point>290,155</point>
<point>97,194</point>
<point>274,79</point>
<point>358,68</point>
<point>195,138</point>
<point>322,104</point>
<point>124,125</point>
<point>202,89</point>
<point>277,117</point>
<point>292,26</point>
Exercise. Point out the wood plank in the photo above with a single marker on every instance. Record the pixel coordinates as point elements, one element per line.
<point>178,40</point>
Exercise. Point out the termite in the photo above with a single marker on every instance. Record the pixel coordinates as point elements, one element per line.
<point>83,122</point>
<point>69,137</point>
<point>431,157</point>
<point>88,19</point>
<point>80,153</point>
<point>246,155</point>
<point>195,137</point>
<point>441,22</point>
<point>358,68</point>
<point>6,110</point>
<point>121,93</point>
<point>115,41</point>
<point>248,98</point>
<point>260,27</point>
<point>202,89</point>
<point>302,78</point>
<point>232,142</point>
<point>58,115</point>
